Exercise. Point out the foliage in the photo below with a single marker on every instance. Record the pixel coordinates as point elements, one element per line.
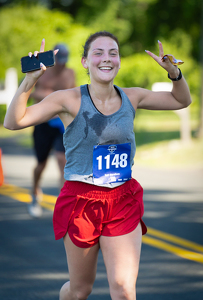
<point>23,28</point>
<point>137,23</point>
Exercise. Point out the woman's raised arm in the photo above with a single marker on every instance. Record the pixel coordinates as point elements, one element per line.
<point>19,115</point>
<point>178,98</point>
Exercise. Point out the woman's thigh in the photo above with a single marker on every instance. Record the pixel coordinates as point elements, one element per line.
<point>82,264</point>
<point>122,256</point>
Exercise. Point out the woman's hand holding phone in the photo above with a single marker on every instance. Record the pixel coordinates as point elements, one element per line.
<point>35,64</point>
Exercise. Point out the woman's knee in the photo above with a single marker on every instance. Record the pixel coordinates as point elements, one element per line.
<point>83,294</point>
<point>122,291</point>
<point>64,291</point>
<point>73,292</point>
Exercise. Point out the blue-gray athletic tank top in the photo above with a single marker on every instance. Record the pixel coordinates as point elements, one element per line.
<point>90,128</point>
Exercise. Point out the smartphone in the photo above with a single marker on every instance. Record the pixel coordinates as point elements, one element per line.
<point>29,64</point>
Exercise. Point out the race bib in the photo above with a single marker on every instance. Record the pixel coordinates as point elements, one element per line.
<point>111,163</point>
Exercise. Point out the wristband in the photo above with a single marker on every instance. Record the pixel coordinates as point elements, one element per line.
<point>177,78</point>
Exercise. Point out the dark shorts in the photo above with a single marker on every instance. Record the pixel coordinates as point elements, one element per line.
<point>45,139</point>
<point>86,211</point>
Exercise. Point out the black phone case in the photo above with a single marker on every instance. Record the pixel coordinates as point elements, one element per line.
<point>29,64</point>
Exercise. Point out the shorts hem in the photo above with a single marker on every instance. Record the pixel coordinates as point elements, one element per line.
<point>143,227</point>
<point>87,245</point>
<point>82,244</point>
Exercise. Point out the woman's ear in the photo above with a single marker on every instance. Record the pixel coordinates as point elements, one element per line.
<point>84,62</point>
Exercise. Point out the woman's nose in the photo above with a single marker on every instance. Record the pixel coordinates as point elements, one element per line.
<point>106,57</point>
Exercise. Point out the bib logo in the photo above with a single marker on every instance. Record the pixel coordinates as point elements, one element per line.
<point>112,149</point>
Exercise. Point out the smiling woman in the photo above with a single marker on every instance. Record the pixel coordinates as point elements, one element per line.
<point>101,54</point>
<point>100,204</point>
<point>103,63</point>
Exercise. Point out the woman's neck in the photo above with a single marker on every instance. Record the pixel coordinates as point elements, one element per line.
<point>102,92</point>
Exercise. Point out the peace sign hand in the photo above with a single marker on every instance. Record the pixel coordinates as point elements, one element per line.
<point>168,61</point>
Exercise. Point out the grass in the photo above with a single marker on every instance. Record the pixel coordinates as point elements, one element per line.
<point>171,154</point>
<point>159,145</point>
<point>164,121</point>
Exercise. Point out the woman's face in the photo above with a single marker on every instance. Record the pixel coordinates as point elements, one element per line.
<point>103,60</point>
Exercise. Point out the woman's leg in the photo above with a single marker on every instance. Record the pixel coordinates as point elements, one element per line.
<point>121,256</point>
<point>82,265</point>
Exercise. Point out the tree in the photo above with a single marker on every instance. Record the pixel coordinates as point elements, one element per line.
<point>23,28</point>
<point>138,23</point>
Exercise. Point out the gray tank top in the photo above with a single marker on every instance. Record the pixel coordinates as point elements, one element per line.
<point>90,128</point>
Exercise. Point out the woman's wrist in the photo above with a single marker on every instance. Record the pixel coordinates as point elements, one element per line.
<point>29,82</point>
<point>175,76</point>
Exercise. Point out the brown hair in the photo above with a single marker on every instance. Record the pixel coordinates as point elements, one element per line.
<point>93,37</point>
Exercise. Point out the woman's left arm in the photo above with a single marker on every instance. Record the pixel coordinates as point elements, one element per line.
<point>178,98</point>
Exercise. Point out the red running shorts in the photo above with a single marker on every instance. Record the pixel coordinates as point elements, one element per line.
<point>87,211</point>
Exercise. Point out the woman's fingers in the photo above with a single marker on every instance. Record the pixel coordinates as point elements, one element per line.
<point>163,60</point>
<point>42,46</point>
<point>161,50</point>
<point>41,49</point>
<point>155,57</point>
<point>56,51</point>
<point>172,59</point>
<point>167,61</point>
<point>159,58</point>
<point>42,66</point>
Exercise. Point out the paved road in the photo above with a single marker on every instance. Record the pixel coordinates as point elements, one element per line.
<point>33,264</point>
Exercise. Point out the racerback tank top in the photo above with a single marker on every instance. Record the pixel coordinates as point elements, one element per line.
<point>90,128</point>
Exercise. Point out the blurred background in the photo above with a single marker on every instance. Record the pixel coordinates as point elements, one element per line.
<point>138,24</point>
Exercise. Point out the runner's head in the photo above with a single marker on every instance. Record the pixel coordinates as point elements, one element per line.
<point>101,56</point>
<point>93,37</point>
<point>62,55</point>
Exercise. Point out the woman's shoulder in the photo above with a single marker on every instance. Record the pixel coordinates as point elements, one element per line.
<point>134,94</point>
<point>70,101</point>
<point>73,93</point>
<point>131,90</point>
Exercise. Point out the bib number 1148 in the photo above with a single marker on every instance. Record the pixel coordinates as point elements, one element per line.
<point>111,163</point>
<point>119,160</point>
